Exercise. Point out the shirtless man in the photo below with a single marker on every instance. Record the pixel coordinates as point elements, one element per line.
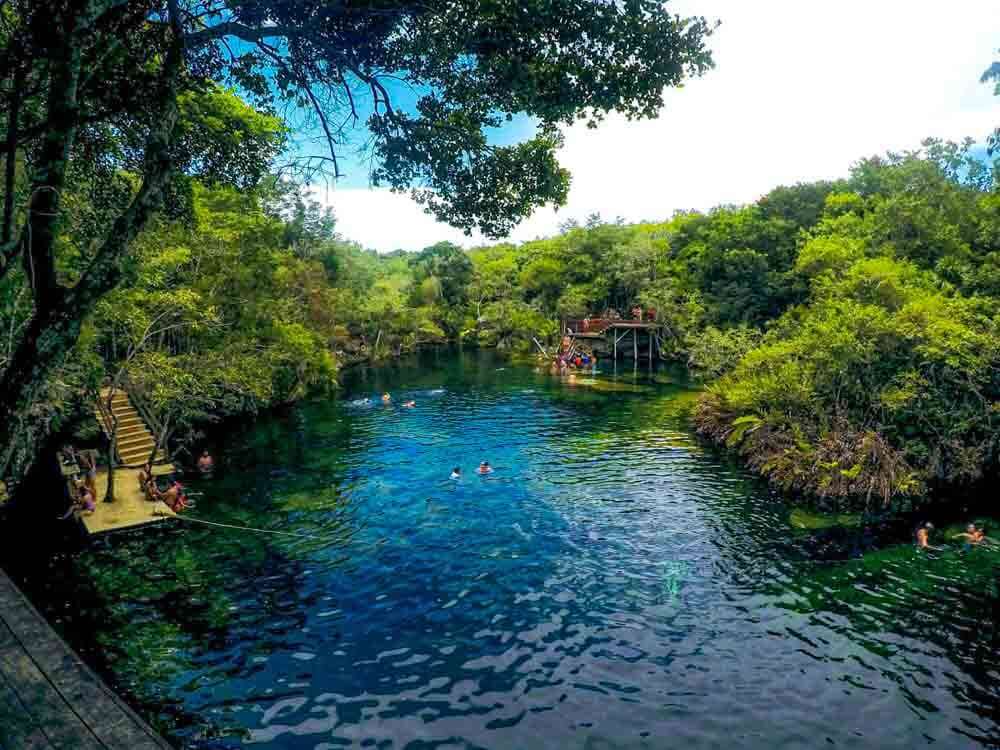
<point>971,534</point>
<point>174,498</point>
<point>923,535</point>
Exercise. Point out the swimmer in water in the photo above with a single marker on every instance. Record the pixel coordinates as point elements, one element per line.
<point>923,535</point>
<point>485,468</point>
<point>206,463</point>
<point>386,398</point>
<point>972,535</point>
<point>409,404</point>
<point>456,473</point>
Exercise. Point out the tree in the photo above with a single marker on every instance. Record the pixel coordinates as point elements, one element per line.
<point>139,88</point>
<point>992,74</point>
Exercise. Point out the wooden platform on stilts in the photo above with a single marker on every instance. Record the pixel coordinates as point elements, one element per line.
<point>617,330</point>
<point>50,699</point>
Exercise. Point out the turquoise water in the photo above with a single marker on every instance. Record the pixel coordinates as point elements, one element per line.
<point>612,584</point>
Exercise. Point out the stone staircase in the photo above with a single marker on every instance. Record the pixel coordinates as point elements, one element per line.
<point>135,441</point>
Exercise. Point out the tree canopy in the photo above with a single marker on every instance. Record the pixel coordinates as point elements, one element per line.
<point>113,107</point>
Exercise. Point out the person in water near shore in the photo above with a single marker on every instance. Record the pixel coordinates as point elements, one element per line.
<point>206,463</point>
<point>409,404</point>
<point>456,473</point>
<point>386,398</point>
<point>485,468</point>
<point>923,535</point>
<point>973,535</point>
<point>174,498</point>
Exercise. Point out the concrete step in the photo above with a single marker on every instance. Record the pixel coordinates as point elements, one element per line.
<point>131,430</point>
<point>138,458</point>
<point>136,439</point>
<point>141,460</point>
<point>136,421</point>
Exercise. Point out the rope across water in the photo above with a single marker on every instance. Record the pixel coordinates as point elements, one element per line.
<point>246,528</point>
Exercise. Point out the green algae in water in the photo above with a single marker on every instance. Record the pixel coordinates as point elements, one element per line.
<point>811,520</point>
<point>607,386</point>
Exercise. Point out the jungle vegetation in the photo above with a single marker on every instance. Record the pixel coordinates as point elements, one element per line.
<point>157,226</point>
<point>115,110</point>
<point>847,333</point>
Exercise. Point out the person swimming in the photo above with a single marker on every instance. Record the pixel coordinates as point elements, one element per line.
<point>206,463</point>
<point>456,473</point>
<point>485,468</point>
<point>972,535</point>
<point>409,404</point>
<point>386,398</point>
<point>923,535</point>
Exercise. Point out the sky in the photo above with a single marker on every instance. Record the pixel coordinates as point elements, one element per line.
<point>801,89</point>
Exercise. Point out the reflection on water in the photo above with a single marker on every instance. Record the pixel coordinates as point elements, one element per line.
<point>612,584</point>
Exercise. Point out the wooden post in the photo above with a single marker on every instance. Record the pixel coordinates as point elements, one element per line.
<point>614,335</point>
<point>635,344</point>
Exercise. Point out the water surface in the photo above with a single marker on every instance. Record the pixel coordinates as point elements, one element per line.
<point>613,584</point>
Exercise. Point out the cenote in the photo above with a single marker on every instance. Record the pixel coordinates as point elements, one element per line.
<point>612,584</point>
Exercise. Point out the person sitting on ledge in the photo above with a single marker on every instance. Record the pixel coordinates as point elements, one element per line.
<point>174,497</point>
<point>83,503</point>
<point>145,475</point>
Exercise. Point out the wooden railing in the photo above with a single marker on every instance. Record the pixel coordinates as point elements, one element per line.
<point>600,325</point>
<point>589,325</point>
<point>141,405</point>
<point>107,421</point>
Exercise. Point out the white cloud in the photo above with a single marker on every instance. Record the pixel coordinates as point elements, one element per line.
<point>801,90</point>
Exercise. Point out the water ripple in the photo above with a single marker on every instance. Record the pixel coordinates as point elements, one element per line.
<point>611,584</point>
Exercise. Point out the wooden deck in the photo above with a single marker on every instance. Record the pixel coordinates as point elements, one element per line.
<point>130,507</point>
<point>50,699</point>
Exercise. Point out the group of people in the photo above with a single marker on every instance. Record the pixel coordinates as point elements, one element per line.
<point>387,399</point>
<point>973,535</point>
<point>483,470</point>
<point>173,497</point>
<point>571,359</point>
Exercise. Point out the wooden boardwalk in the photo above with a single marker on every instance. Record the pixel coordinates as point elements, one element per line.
<point>130,507</point>
<point>49,698</point>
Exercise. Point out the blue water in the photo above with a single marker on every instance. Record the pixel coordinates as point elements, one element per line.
<point>613,584</point>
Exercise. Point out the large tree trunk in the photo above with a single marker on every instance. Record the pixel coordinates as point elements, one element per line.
<point>59,314</point>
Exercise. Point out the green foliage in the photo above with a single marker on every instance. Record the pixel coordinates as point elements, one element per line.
<point>887,379</point>
<point>712,353</point>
